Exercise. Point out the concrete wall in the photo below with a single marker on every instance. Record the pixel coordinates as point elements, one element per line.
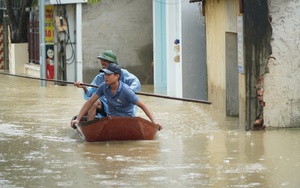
<point>123,26</point>
<point>282,88</point>
<point>18,53</point>
<point>257,36</point>
<point>221,18</point>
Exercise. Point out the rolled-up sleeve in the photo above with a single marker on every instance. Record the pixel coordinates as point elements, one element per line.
<point>131,80</point>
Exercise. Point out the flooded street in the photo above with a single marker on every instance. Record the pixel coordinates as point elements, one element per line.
<point>197,147</point>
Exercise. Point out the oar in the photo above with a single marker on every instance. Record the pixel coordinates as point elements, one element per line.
<point>81,135</point>
<point>90,85</point>
<point>173,98</point>
<point>50,80</point>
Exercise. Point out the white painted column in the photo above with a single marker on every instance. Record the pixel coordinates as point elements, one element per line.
<point>78,66</point>
<point>42,42</point>
<point>173,30</point>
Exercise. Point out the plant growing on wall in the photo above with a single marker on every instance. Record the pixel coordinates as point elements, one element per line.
<point>94,1</point>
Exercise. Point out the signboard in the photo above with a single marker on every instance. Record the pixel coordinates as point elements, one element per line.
<point>49,40</point>
<point>49,24</point>
<point>240,44</point>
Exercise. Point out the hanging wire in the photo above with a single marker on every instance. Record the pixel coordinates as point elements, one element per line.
<point>67,33</point>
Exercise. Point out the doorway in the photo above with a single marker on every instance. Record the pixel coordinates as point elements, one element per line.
<point>232,79</point>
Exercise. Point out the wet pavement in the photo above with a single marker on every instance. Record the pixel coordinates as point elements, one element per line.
<point>197,147</point>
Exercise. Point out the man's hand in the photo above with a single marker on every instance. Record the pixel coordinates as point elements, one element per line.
<point>73,123</point>
<point>79,84</point>
<point>160,127</point>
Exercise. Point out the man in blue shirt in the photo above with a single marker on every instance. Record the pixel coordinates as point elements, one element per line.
<point>99,108</point>
<point>120,98</point>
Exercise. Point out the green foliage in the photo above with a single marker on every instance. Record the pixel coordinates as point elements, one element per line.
<point>93,1</point>
<point>35,3</point>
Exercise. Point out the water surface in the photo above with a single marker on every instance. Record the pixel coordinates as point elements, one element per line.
<point>197,147</point>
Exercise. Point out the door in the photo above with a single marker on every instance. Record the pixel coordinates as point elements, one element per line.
<point>232,84</point>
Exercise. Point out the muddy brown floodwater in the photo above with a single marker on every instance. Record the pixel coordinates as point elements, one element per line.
<point>197,147</point>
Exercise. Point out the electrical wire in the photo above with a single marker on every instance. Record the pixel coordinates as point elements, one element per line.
<point>71,43</point>
<point>63,12</point>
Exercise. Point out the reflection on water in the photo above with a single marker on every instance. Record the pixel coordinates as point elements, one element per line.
<point>197,147</point>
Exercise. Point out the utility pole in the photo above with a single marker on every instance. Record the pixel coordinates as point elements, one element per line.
<point>42,42</point>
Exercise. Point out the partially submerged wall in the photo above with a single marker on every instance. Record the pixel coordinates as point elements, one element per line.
<point>221,18</point>
<point>282,88</point>
<point>257,32</point>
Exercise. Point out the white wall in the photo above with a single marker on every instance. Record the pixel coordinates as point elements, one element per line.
<point>282,88</point>
<point>173,31</point>
<point>18,58</point>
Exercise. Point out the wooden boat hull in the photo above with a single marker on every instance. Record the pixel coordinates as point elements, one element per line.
<point>117,128</point>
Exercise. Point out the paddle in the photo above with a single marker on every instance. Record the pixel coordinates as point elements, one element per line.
<point>173,98</point>
<point>81,135</point>
<point>44,79</point>
<point>90,85</point>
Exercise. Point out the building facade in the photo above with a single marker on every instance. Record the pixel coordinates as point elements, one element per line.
<point>256,75</point>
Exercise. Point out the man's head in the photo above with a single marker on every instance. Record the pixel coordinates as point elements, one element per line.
<point>108,55</point>
<point>112,69</point>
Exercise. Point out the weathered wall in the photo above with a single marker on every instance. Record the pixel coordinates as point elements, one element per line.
<point>215,40</point>
<point>282,88</point>
<point>123,26</point>
<point>221,17</point>
<point>257,32</point>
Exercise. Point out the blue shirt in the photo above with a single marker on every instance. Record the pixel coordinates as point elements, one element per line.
<point>122,102</point>
<point>126,77</point>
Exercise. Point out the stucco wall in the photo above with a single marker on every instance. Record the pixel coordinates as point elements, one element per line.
<point>282,88</point>
<point>215,28</point>
<point>221,17</point>
<point>123,26</point>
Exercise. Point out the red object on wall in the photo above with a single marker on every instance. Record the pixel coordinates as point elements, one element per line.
<point>50,62</point>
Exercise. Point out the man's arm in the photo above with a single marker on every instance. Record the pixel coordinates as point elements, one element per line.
<point>84,109</point>
<point>79,85</point>
<point>89,91</point>
<point>148,112</point>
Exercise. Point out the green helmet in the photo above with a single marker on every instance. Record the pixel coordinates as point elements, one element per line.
<point>108,55</point>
